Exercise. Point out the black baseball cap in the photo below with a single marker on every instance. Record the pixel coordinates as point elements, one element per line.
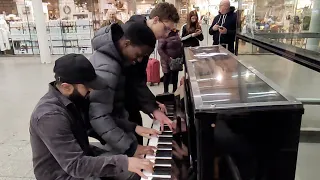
<point>77,69</point>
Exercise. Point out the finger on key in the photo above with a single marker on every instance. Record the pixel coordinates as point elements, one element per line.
<point>161,126</point>
<point>147,136</point>
<point>141,174</point>
<point>155,132</point>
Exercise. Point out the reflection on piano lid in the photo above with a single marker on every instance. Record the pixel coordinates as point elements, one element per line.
<point>219,80</point>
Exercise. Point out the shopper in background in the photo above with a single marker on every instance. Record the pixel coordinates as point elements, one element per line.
<point>223,27</point>
<point>191,32</point>
<point>114,51</point>
<point>162,20</point>
<point>170,51</point>
<point>112,18</point>
<point>58,129</point>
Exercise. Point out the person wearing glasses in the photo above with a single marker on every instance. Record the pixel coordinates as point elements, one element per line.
<point>162,20</point>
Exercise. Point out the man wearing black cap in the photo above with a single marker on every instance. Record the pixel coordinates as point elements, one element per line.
<point>59,141</point>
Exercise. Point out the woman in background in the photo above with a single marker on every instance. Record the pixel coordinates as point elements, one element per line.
<point>170,49</point>
<point>191,32</point>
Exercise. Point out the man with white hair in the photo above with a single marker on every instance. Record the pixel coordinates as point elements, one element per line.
<point>223,28</point>
<point>112,18</point>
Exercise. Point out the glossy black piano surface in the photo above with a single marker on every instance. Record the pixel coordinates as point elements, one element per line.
<point>236,114</point>
<point>219,80</point>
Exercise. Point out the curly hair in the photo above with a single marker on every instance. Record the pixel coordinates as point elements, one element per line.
<point>166,12</point>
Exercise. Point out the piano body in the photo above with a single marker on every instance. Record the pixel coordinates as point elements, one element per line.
<point>231,121</point>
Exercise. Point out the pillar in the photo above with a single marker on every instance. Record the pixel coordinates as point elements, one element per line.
<point>313,43</point>
<point>42,35</point>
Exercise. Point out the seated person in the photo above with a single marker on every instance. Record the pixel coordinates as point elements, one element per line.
<point>114,51</point>
<point>59,142</point>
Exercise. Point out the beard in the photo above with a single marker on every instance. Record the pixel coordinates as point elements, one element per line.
<point>81,102</point>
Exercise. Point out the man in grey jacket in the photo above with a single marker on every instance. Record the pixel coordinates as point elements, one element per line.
<point>59,141</point>
<point>115,50</point>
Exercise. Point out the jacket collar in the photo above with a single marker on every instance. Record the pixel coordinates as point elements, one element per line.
<point>56,93</point>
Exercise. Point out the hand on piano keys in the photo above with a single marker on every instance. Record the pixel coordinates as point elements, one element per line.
<point>163,154</point>
<point>146,132</point>
<point>163,119</point>
<point>136,164</point>
<point>144,150</point>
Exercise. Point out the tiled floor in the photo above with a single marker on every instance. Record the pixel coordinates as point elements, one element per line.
<point>24,81</point>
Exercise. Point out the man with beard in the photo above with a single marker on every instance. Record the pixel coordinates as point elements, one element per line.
<point>58,129</point>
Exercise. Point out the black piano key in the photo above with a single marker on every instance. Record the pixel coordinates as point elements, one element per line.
<point>167,146</point>
<point>170,114</point>
<point>166,128</point>
<point>165,139</point>
<point>166,133</point>
<point>161,170</point>
<point>163,153</point>
<point>162,161</point>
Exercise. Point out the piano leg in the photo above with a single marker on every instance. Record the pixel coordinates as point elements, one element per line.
<point>205,144</point>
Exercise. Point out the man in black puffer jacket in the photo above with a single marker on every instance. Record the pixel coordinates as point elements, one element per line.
<point>223,28</point>
<point>161,21</point>
<point>115,50</point>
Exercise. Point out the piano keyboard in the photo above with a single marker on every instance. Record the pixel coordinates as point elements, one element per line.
<point>163,155</point>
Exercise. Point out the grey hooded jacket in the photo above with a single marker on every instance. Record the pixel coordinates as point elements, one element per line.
<point>107,113</point>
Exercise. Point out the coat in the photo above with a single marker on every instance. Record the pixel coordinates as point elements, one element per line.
<point>138,95</point>
<point>170,47</point>
<point>107,113</point>
<point>229,21</point>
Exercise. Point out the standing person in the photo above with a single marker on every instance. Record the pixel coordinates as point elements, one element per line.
<point>223,27</point>
<point>115,50</point>
<point>58,129</point>
<point>138,95</point>
<point>191,32</point>
<point>112,18</point>
<point>170,49</point>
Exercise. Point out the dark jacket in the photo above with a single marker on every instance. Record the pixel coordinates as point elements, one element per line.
<point>229,21</point>
<point>170,47</point>
<point>188,40</point>
<point>60,145</point>
<point>138,95</point>
<point>107,113</point>
<point>108,23</point>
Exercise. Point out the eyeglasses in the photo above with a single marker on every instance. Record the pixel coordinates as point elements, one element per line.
<point>166,28</point>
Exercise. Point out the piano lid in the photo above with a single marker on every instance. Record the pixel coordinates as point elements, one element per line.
<point>219,80</point>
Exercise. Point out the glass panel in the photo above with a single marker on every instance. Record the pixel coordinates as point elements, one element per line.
<point>290,24</point>
<point>22,29</point>
<point>222,80</point>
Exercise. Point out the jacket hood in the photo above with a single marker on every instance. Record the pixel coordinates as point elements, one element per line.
<point>138,19</point>
<point>231,11</point>
<point>105,38</point>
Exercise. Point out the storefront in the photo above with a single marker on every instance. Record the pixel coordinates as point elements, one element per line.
<point>291,22</point>
<point>70,24</point>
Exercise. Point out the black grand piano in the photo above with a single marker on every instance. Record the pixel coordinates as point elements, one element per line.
<point>232,123</point>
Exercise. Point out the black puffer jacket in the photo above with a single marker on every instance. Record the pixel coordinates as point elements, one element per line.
<point>107,112</point>
<point>138,95</point>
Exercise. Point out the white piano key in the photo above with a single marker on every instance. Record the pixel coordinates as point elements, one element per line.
<point>154,141</point>
<point>163,165</point>
<point>156,125</point>
<point>165,136</point>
